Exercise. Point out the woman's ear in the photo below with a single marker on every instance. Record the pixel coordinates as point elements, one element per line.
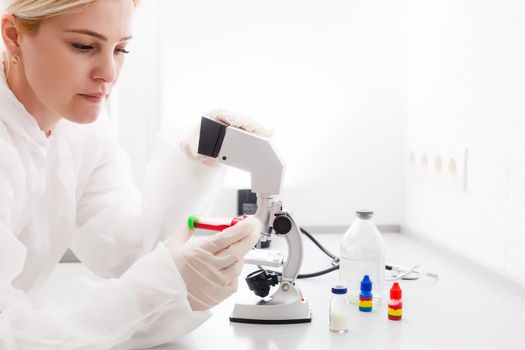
<point>10,34</point>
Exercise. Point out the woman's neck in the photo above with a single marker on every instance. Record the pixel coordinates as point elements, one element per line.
<point>17,82</point>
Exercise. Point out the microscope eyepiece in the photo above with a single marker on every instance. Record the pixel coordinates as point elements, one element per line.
<point>211,137</point>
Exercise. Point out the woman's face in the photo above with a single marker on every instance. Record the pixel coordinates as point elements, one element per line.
<point>74,60</point>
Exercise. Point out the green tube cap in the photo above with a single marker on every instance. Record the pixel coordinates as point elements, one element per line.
<point>191,222</point>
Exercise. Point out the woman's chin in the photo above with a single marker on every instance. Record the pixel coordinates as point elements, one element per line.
<point>84,117</point>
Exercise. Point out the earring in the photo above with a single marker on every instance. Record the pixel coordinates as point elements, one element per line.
<point>15,59</point>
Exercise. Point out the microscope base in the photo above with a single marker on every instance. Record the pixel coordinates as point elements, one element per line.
<point>254,321</point>
<point>262,312</point>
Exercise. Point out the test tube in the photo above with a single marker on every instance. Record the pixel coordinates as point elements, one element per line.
<point>211,223</point>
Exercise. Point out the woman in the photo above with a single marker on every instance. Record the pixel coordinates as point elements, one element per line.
<point>64,182</point>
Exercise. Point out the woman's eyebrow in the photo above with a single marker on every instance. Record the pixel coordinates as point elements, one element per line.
<point>94,34</point>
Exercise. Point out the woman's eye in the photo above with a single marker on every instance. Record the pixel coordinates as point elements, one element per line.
<point>82,47</point>
<point>121,50</point>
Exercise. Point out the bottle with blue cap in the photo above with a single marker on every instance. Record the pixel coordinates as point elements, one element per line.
<point>339,310</point>
<point>365,297</point>
<point>362,253</point>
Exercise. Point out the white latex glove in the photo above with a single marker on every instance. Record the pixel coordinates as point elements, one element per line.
<point>190,143</point>
<point>211,266</point>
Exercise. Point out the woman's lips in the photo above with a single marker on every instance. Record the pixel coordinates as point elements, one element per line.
<point>96,98</point>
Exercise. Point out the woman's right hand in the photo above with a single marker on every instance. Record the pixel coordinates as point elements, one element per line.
<point>211,266</point>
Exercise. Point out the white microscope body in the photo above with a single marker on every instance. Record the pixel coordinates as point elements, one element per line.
<point>256,155</point>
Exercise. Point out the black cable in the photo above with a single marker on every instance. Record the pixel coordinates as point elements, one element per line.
<point>318,273</point>
<point>335,260</point>
<point>319,244</point>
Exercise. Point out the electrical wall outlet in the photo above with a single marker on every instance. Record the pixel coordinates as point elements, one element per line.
<point>447,168</point>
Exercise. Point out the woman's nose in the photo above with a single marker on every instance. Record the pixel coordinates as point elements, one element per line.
<point>106,69</point>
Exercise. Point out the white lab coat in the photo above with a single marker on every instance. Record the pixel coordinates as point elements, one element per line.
<point>74,189</point>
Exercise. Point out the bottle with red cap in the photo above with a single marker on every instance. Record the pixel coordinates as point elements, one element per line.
<point>395,305</point>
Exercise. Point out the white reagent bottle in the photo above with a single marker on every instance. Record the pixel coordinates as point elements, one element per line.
<point>339,310</point>
<point>362,253</point>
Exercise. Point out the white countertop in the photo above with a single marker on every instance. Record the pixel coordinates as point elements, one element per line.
<point>465,309</point>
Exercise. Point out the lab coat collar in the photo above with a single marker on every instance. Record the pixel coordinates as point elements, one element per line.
<point>14,114</point>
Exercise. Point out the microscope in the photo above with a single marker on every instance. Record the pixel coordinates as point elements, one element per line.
<point>256,155</point>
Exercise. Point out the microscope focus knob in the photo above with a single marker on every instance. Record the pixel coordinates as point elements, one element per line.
<point>282,224</point>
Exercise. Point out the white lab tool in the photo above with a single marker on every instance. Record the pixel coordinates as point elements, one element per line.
<point>257,155</point>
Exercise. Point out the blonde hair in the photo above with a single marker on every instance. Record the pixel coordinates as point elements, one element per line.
<point>31,13</point>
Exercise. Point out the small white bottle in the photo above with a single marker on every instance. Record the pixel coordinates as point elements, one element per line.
<point>339,310</point>
<point>362,253</point>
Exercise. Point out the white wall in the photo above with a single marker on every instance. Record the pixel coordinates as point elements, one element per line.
<point>328,76</point>
<point>466,88</point>
<point>136,101</point>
